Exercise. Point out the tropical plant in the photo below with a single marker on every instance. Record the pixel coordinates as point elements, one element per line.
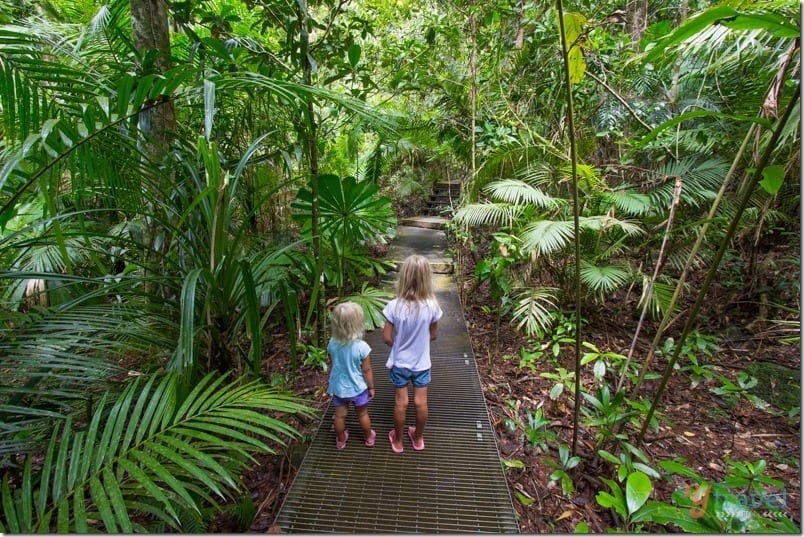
<point>153,454</point>
<point>351,215</point>
<point>566,462</point>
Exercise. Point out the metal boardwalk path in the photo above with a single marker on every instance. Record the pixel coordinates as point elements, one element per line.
<point>456,485</point>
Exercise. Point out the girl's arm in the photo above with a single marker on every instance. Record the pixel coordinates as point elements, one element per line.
<point>368,375</point>
<point>388,333</point>
<point>433,330</point>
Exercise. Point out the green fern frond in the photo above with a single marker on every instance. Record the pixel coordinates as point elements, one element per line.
<point>151,450</point>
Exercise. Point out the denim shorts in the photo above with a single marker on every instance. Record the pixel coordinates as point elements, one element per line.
<point>360,399</point>
<point>400,377</point>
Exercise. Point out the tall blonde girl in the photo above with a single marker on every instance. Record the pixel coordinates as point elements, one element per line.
<point>351,379</point>
<point>411,323</point>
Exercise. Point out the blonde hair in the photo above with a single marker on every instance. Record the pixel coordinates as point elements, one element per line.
<point>347,322</point>
<point>415,280</point>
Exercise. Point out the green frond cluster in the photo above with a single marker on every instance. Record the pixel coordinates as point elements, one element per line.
<point>146,455</point>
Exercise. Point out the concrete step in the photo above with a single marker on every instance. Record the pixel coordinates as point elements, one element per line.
<point>427,221</point>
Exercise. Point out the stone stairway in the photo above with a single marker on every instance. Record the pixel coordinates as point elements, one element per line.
<point>443,199</point>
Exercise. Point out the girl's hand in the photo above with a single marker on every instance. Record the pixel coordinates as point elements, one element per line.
<point>371,393</point>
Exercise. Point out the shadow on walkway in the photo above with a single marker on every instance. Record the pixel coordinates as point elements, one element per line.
<point>456,485</point>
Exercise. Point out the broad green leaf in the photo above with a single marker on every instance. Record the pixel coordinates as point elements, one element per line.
<point>577,64</point>
<point>679,468</point>
<point>354,54</point>
<point>513,463</point>
<point>573,27</point>
<point>582,527</point>
<point>638,487</point>
<point>772,178</point>
<point>556,391</point>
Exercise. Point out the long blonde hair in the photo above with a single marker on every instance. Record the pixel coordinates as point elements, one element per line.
<point>347,322</point>
<point>415,280</point>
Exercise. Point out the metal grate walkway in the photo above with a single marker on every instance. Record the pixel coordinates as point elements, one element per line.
<point>456,485</point>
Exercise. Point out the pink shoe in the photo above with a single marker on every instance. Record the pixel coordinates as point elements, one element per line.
<point>338,443</point>
<point>370,439</point>
<point>420,445</point>
<point>392,437</point>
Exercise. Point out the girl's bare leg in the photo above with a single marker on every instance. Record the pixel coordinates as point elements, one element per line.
<point>400,410</point>
<point>422,411</point>
<point>365,421</point>
<point>340,422</point>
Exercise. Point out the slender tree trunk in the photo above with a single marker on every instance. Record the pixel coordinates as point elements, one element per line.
<point>576,225</point>
<point>311,142</point>
<point>151,31</point>
<point>637,20</point>
<point>682,16</point>
<point>149,22</point>
<point>519,39</point>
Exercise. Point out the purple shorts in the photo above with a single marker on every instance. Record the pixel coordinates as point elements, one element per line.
<point>360,399</point>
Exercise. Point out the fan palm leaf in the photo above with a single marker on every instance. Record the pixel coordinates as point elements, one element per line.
<point>148,450</point>
<point>488,214</point>
<point>517,192</point>
<point>533,309</point>
<point>372,300</point>
<point>603,279</point>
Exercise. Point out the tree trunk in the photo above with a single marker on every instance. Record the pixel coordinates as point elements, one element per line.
<point>637,20</point>
<point>312,154</point>
<point>149,21</point>
<point>150,31</point>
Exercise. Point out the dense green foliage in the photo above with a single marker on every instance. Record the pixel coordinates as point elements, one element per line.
<point>135,248</point>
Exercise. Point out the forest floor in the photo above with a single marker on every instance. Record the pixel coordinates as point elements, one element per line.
<point>695,424</point>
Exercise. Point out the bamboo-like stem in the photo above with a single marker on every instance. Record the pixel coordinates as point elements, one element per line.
<point>690,259</point>
<point>710,275</point>
<point>656,270</point>
<point>576,224</point>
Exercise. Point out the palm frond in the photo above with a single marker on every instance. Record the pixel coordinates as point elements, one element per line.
<point>518,192</point>
<point>488,214</point>
<point>603,279</point>
<point>54,361</point>
<point>533,309</point>
<point>546,237</point>
<point>372,300</point>
<point>701,181</point>
<point>630,202</point>
<point>148,450</point>
<point>605,223</point>
<point>659,298</point>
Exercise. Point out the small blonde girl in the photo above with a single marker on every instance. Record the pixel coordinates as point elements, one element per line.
<point>411,323</point>
<point>351,379</point>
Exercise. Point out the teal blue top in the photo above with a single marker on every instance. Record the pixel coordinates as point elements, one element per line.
<point>346,378</point>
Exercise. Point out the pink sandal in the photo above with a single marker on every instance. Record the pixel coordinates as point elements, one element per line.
<point>392,437</point>
<point>370,439</point>
<point>338,443</point>
<point>417,447</point>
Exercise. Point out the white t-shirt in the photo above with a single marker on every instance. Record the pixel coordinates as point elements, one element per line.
<point>411,320</point>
